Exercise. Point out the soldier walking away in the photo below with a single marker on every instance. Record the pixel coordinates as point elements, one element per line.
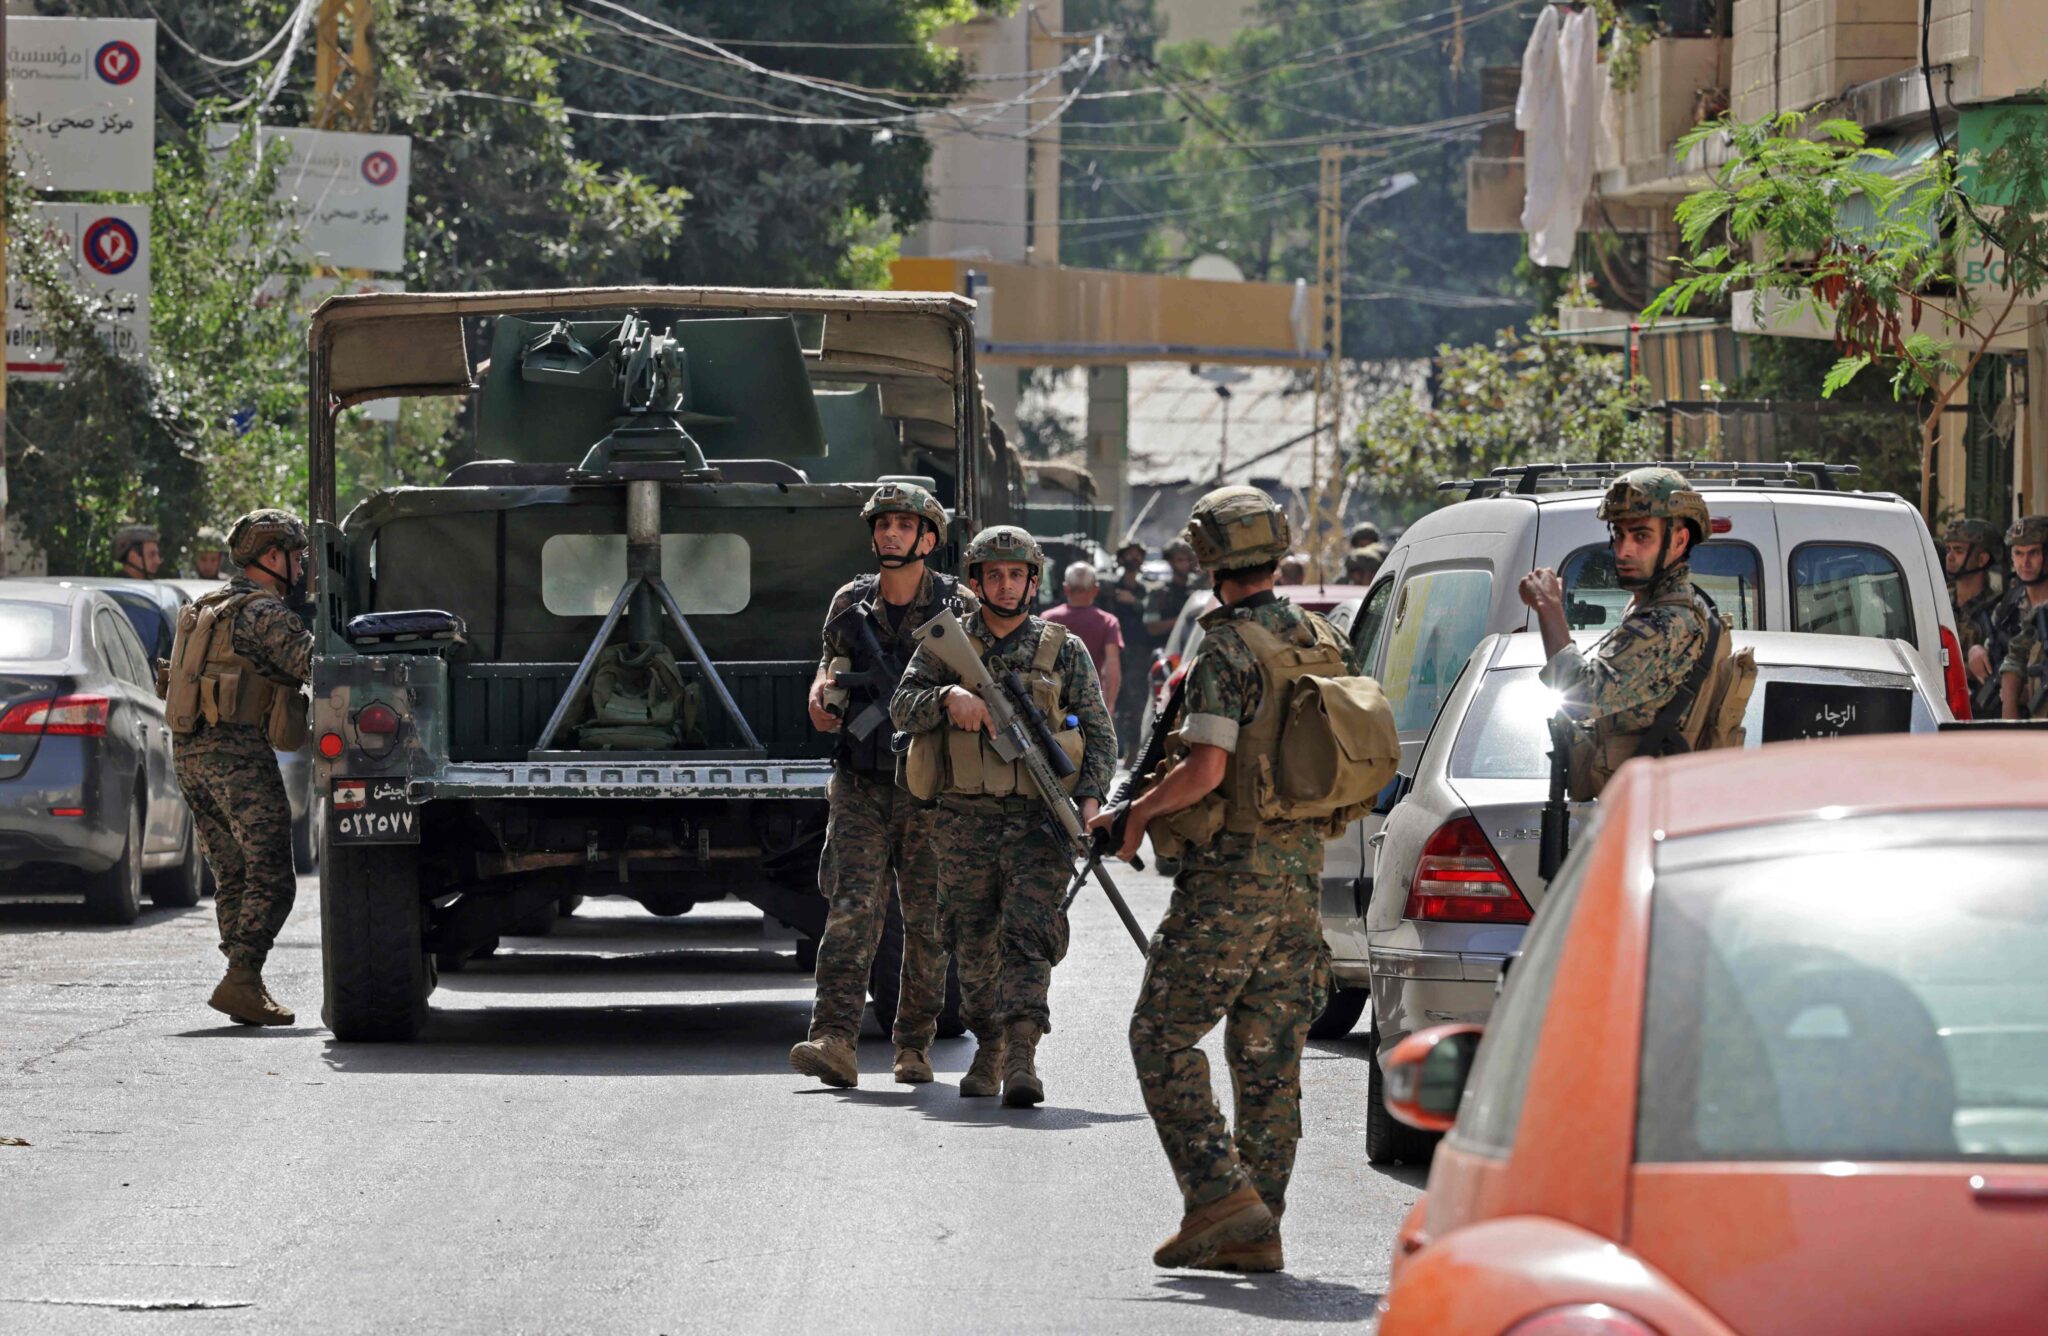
<point>1126,599</point>
<point>233,699</point>
<point>209,550</point>
<point>1168,598</point>
<point>138,552</point>
<point>1003,866</point>
<point>1242,940</point>
<point>877,837</point>
<point>2023,669</point>
<point>1616,694</point>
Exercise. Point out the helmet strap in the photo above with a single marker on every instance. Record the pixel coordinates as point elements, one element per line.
<point>915,557</point>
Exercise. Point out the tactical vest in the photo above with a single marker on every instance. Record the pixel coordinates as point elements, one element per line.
<point>206,681</point>
<point>873,754</point>
<point>954,760</point>
<point>1599,749</point>
<point>1254,791</point>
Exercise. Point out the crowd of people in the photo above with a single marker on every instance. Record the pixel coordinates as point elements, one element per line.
<point>1999,582</point>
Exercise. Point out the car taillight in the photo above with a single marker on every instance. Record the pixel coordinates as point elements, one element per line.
<point>379,719</point>
<point>1460,879</point>
<point>75,716</point>
<point>1955,674</point>
<point>1582,1320</point>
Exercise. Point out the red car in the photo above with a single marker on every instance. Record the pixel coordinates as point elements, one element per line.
<point>1773,1059</point>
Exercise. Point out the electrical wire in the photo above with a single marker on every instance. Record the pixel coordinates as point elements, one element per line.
<point>241,62</point>
<point>300,19</point>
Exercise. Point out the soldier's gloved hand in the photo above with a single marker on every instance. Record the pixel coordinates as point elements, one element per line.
<point>965,709</point>
<point>1979,661</point>
<point>822,719</point>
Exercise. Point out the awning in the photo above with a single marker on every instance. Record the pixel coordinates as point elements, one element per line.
<point>1902,156</point>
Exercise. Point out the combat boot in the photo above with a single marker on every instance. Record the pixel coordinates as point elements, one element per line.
<point>1260,1254</point>
<point>913,1067</point>
<point>1021,1086</point>
<point>829,1059</point>
<point>1205,1230</point>
<point>241,994</point>
<point>985,1073</point>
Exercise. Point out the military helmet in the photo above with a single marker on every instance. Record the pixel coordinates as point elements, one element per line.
<point>905,498</point>
<point>1235,527</point>
<point>1364,535</point>
<point>1179,547</point>
<point>260,530</point>
<point>209,539</point>
<point>2027,532</point>
<point>1130,543</point>
<point>1003,542</point>
<point>131,536</point>
<point>1656,494</point>
<point>1980,533</point>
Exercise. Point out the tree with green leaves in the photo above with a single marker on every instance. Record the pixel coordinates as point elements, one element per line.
<point>1802,219</point>
<point>1523,398</point>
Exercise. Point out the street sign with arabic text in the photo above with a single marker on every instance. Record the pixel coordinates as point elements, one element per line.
<point>81,102</point>
<point>106,250</point>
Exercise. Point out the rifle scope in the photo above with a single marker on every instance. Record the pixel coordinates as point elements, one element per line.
<point>1055,755</point>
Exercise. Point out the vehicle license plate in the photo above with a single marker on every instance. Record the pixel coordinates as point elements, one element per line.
<point>373,811</point>
<point>1794,710</point>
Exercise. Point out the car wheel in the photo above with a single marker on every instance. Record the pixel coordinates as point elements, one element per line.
<point>1340,1014</point>
<point>1388,1140</point>
<point>115,896</point>
<point>372,942</point>
<point>306,836</point>
<point>180,887</point>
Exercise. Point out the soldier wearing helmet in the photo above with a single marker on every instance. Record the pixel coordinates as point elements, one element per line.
<point>209,550</point>
<point>234,698</point>
<point>1242,942</point>
<point>1003,866</point>
<point>2023,670</point>
<point>1973,558</point>
<point>1170,596</point>
<point>1361,564</point>
<point>138,551</point>
<point>1615,691</point>
<point>878,839</point>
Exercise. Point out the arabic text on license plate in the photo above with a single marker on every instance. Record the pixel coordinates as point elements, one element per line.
<point>373,811</point>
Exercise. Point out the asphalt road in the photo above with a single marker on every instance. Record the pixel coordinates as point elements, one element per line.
<point>599,1131</point>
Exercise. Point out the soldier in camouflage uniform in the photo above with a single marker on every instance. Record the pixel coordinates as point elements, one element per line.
<point>1003,866</point>
<point>1614,691</point>
<point>2023,671</point>
<point>209,552</point>
<point>878,837</point>
<point>1242,939</point>
<point>226,764</point>
<point>1973,554</point>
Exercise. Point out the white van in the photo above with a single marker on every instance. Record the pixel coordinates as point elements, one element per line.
<point>1788,552</point>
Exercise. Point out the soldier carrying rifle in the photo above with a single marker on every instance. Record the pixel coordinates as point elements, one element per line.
<point>1003,863</point>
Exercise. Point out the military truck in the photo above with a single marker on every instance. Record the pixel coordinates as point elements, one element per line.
<point>661,476</point>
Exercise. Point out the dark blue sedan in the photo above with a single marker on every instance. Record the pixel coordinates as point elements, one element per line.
<point>89,807</point>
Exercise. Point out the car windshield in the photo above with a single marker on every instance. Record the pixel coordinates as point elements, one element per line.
<point>32,631</point>
<point>1864,988</point>
<point>1728,572</point>
<point>1505,735</point>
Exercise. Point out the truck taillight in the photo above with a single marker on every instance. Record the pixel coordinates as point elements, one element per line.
<point>76,716</point>
<point>1955,674</point>
<point>380,719</point>
<point>1460,879</point>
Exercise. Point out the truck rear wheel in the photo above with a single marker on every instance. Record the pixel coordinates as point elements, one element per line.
<point>371,942</point>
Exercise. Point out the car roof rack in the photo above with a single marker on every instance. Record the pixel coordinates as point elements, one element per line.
<point>1538,479</point>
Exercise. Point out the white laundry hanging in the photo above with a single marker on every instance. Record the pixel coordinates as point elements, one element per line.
<point>1558,113</point>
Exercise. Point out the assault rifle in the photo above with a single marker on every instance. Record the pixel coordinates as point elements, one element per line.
<point>873,670</point>
<point>1110,838</point>
<point>1556,827</point>
<point>1022,735</point>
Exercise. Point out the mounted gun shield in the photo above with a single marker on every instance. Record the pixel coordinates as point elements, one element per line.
<point>1015,739</point>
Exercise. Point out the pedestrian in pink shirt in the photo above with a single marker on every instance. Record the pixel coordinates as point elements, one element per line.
<point>1099,631</point>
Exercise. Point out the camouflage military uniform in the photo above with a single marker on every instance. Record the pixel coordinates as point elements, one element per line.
<point>877,836</point>
<point>1241,942</point>
<point>1620,684</point>
<point>2027,655</point>
<point>230,778</point>
<point>1003,866</point>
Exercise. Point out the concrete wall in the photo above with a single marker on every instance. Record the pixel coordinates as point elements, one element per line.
<point>1791,54</point>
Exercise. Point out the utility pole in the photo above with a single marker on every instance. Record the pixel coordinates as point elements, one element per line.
<point>338,106</point>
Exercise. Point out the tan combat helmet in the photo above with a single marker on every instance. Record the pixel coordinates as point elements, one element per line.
<point>905,498</point>
<point>1233,528</point>
<point>1003,542</point>
<point>1657,494</point>
<point>131,536</point>
<point>260,530</point>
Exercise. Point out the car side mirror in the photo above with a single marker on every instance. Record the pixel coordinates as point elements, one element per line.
<point>1426,1072</point>
<point>1397,788</point>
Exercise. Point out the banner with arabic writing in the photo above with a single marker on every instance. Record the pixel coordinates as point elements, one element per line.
<point>348,192</point>
<point>81,102</point>
<point>107,246</point>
